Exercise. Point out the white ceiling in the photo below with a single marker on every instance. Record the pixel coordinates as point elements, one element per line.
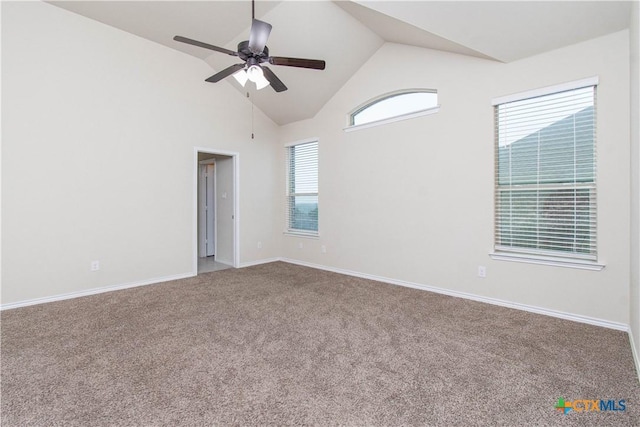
<point>510,30</point>
<point>346,33</point>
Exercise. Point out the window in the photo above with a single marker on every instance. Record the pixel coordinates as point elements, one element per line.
<point>404,104</point>
<point>302,188</point>
<point>546,174</point>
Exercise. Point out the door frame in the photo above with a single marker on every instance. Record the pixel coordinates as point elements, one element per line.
<point>214,221</point>
<point>235,157</point>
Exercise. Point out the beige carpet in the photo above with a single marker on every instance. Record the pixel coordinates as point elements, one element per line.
<point>280,344</point>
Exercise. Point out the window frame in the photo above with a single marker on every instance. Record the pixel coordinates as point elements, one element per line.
<point>404,116</point>
<point>536,256</point>
<point>288,229</point>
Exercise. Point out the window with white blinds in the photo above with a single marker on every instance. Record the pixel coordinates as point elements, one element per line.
<point>302,188</point>
<point>545,202</point>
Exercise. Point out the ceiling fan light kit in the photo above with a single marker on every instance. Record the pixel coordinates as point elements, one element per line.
<point>254,52</point>
<point>262,83</point>
<point>255,73</point>
<point>241,77</point>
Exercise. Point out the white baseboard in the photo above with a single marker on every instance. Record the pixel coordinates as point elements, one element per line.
<point>493,301</point>
<point>258,262</point>
<point>538,310</point>
<point>634,352</point>
<point>93,291</point>
<point>225,262</point>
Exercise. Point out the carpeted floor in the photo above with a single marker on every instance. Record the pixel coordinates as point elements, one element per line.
<point>280,344</point>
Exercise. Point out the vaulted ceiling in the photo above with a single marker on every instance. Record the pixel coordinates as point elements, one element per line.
<point>346,33</point>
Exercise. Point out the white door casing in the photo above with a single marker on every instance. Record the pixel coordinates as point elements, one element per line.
<point>206,209</point>
<point>230,252</point>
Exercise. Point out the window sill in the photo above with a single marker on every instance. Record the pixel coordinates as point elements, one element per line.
<point>393,119</point>
<point>546,260</point>
<point>302,234</point>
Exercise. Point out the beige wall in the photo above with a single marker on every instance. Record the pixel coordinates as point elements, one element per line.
<point>413,200</point>
<point>98,135</point>
<point>635,177</point>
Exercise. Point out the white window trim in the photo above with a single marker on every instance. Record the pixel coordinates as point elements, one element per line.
<point>432,110</point>
<point>399,118</point>
<point>302,233</point>
<point>542,259</point>
<point>547,260</point>
<point>307,235</point>
<point>548,90</point>
<point>302,141</point>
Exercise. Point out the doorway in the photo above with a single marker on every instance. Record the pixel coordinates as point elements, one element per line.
<point>216,210</point>
<point>206,209</point>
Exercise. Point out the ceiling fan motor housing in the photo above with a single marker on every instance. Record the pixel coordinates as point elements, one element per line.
<point>244,53</point>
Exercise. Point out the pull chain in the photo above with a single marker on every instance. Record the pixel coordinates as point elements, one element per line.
<point>252,135</point>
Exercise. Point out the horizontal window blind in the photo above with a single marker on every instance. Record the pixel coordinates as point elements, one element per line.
<point>302,194</point>
<point>546,175</point>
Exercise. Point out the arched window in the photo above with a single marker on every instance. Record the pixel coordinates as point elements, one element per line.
<point>395,106</point>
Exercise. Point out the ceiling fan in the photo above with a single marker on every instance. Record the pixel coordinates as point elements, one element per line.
<point>254,52</point>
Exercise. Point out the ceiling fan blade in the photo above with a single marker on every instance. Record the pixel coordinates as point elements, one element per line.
<point>315,64</point>
<point>275,82</point>
<point>205,45</point>
<point>225,73</point>
<point>259,35</point>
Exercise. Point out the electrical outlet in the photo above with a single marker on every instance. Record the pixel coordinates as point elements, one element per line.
<point>482,271</point>
<point>259,245</point>
<point>95,265</point>
<point>323,249</point>
<point>300,245</point>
